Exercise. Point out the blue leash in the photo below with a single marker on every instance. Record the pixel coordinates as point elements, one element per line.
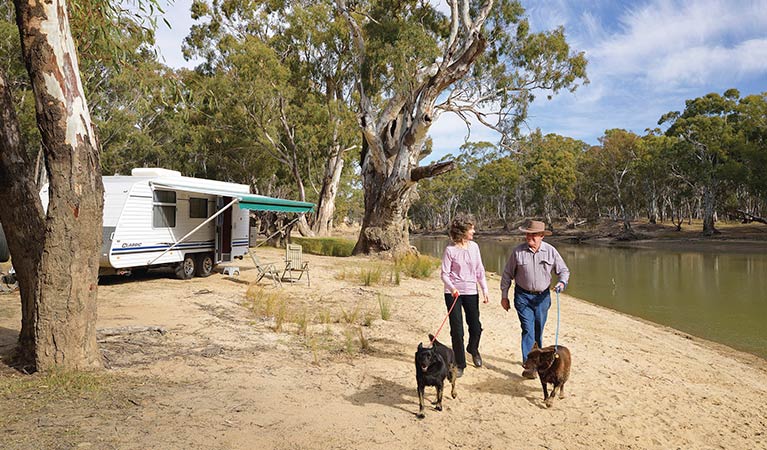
<point>556,338</point>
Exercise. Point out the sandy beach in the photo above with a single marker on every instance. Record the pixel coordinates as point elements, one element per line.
<point>221,377</point>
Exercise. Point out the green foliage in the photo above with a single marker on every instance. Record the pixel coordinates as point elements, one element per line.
<point>751,148</point>
<point>708,135</point>
<point>549,164</point>
<point>417,266</point>
<point>326,246</point>
<point>278,91</point>
<point>400,36</point>
<point>403,37</point>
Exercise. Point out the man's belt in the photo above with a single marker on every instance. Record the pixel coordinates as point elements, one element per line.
<point>528,291</point>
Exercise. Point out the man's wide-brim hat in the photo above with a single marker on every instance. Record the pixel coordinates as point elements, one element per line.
<point>534,226</point>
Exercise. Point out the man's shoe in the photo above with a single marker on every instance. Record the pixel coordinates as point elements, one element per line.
<point>477,359</point>
<point>459,373</point>
<point>529,374</point>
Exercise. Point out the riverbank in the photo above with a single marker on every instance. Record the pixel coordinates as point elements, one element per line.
<point>221,377</point>
<point>732,236</point>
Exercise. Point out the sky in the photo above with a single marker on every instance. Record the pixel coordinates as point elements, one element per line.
<point>645,58</point>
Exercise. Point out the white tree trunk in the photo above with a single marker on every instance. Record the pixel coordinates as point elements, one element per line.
<point>326,206</point>
<point>63,326</point>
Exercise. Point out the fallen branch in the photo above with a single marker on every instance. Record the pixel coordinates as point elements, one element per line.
<point>752,217</point>
<point>105,332</point>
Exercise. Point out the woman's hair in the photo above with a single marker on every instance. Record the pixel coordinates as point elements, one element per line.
<point>460,227</point>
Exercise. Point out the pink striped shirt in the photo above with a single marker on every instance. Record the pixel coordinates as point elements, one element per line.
<point>462,269</point>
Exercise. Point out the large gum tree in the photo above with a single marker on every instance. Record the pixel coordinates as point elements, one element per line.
<point>56,252</point>
<point>414,63</point>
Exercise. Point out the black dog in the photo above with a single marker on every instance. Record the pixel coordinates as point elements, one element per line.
<point>432,366</point>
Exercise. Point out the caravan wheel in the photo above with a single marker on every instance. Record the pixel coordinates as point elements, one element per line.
<point>185,269</point>
<point>204,265</point>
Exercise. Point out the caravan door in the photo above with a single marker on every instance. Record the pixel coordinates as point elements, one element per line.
<point>223,231</point>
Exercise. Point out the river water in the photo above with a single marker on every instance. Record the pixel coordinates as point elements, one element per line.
<point>719,296</point>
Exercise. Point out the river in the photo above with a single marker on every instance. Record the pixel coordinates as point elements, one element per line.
<point>716,295</point>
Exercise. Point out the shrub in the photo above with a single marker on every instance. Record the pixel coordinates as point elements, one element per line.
<point>370,276</point>
<point>417,266</point>
<point>326,246</point>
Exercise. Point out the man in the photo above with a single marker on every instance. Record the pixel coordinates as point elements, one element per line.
<point>530,266</point>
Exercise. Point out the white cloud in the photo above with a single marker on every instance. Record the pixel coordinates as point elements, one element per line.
<point>683,42</point>
<point>647,58</point>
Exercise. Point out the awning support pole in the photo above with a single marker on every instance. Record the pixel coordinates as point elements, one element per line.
<point>192,232</point>
<point>278,231</point>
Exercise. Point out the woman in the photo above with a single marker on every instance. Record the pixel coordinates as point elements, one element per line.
<point>462,269</point>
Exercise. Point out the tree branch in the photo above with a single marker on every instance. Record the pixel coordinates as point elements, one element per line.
<point>432,170</point>
<point>752,217</point>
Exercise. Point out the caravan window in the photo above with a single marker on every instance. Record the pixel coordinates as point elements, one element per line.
<point>164,214</point>
<point>198,208</point>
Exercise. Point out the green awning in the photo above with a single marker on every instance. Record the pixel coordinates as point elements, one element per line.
<point>246,201</point>
<point>263,203</point>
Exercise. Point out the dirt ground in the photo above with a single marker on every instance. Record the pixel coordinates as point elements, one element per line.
<point>337,376</point>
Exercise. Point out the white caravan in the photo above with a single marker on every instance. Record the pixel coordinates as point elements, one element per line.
<point>156,217</point>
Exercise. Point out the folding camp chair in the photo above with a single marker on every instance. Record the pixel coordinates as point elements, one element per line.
<point>266,270</point>
<point>294,263</point>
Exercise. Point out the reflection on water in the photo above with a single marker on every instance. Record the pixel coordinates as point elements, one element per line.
<point>715,295</point>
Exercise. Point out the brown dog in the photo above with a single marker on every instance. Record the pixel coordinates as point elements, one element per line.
<point>553,366</point>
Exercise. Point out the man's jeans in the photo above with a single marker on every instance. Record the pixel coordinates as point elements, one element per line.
<point>532,310</point>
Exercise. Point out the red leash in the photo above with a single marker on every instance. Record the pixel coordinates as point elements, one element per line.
<point>455,299</point>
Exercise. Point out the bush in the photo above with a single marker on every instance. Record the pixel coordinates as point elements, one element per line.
<point>326,246</point>
<point>420,266</point>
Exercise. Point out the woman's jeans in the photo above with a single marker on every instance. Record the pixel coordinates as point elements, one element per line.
<point>470,304</point>
<point>532,310</point>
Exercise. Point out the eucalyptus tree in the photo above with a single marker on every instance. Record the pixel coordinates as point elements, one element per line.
<point>618,158</point>
<point>287,63</point>
<point>588,186</point>
<point>751,115</point>
<point>707,135</point>
<point>549,172</point>
<point>414,63</point>
<point>55,250</point>
<point>497,182</point>
<point>139,113</point>
<point>654,177</point>
<point>212,138</point>
<point>130,94</point>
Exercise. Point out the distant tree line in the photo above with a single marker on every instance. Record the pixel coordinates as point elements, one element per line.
<point>710,162</point>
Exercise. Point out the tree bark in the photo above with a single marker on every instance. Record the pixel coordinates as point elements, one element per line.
<point>326,205</point>
<point>394,134</point>
<point>24,221</point>
<point>709,209</point>
<point>64,322</point>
